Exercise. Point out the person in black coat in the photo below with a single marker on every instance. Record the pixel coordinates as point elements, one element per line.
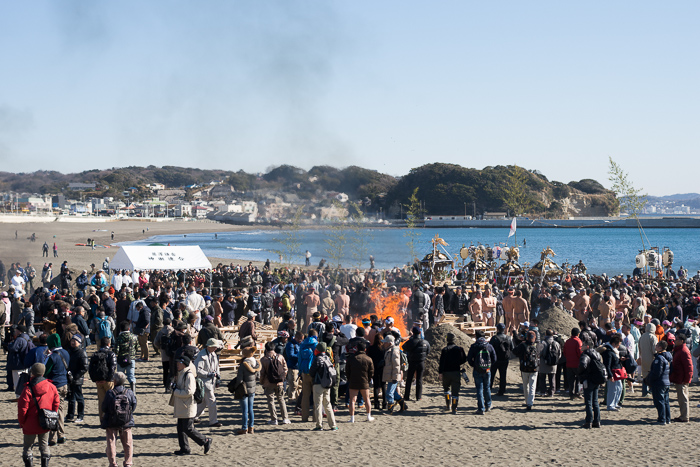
<point>502,343</point>
<point>78,366</point>
<point>416,350</point>
<point>111,421</point>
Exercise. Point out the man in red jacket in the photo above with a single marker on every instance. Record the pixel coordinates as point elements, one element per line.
<point>46,396</point>
<point>680,376</point>
<point>572,353</point>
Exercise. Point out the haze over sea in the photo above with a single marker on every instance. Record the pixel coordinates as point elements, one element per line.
<point>608,250</point>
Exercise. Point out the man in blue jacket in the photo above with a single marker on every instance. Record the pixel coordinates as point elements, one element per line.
<point>659,382</point>
<point>306,357</point>
<point>291,355</point>
<point>18,350</point>
<point>482,358</point>
<point>57,372</point>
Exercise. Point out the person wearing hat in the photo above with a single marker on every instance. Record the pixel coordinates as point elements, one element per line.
<point>208,331</point>
<point>502,344</point>
<point>319,326</point>
<point>324,378</point>
<point>37,392</point>
<point>78,366</point>
<point>416,349</point>
<point>207,364</point>
<point>391,374</point>
<point>247,329</point>
<point>280,342</point>
<point>185,408</point>
<point>57,365</point>
<point>273,373</point>
<point>452,357</point>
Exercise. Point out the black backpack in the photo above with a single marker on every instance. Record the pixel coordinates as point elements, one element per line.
<point>550,356</point>
<point>483,360</point>
<point>531,361</point>
<point>596,372</point>
<point>275,372</point>
<point>122,409</point>
<point>99,368</point>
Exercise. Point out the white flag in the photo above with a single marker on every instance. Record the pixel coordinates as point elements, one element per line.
<point>512,228</point>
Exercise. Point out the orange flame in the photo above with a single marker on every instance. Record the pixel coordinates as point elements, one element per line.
<point>393,305</point>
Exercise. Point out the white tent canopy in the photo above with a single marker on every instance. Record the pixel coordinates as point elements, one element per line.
<point>160,257</point>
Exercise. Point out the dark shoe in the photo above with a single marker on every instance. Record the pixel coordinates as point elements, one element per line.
<point>45,461</point>
<point>529,407</point>
<point>207,445</point>
<point>61,440</point>
<point>52,443</point>
<point>680,420</point>
<point>402,402</point>
<point>500,394</point>
<point>390,409</point>
<point>241,432</point>
<point>181,453</point>
<point>69,418</point>
<point>660,422</point>
<point>251,430</point>
<point>596,425</point>
<point>215,425</point>
<point>28,461</point>
<point>455,402</point>
<point>586,425</point>
<point>479,412</point>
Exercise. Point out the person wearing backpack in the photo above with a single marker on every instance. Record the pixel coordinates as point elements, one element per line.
<point>482,357</point>
<point>272,376</point>
<point>502,344</point>
<point>127,345</point>
<point>306,358</point>
<point>103,365</point>
<point>529,353</point>
<point>57,372</point>
<point>118,407</point>
<point>185,408</point>
<point>38,393</point>
<point>207,364</point>
<point>591,374</point>
<point>551,353</point>
<point>324,378</point>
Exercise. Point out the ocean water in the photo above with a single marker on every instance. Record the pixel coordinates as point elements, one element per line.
<point>602,249</point>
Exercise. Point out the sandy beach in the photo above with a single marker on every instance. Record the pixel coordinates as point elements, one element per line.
<point>424,435</point>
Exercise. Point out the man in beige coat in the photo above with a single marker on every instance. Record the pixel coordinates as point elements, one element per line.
<point>207,364</point>
<point>184,407</point>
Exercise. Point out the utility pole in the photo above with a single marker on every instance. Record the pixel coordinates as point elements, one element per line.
<point>474,204</point>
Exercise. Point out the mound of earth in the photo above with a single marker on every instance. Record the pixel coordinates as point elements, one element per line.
<point>558,320</point>
<point>437,338</point>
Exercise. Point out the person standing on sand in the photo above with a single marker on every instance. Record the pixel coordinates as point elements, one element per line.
<point>55,250</point>
<point>119,420</point>
<point>680,376</point>
<point>45,250</point>
<point>45,396</point>
<point>509,311</point>
<point>573,349</point>
<point>273,373</point>
<point>529,354</point>
<point>207,364</point>
<point>417,350</point>
<point>185,408</point>
<point>482,357</point>
<point>324,378</point>
<point>452,358</point>
<point>308,258</point>
<point>103,366</point>
<point>502,343</point>
<point>521,309</point>
<point>586,373</point>
<point>658,379</point>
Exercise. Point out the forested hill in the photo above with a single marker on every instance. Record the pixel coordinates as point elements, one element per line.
<point>444,189</point>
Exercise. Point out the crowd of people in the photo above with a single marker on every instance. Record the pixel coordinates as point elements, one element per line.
<point>335,346</point>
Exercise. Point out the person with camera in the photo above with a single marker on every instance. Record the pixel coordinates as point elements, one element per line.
<point>38,394</point>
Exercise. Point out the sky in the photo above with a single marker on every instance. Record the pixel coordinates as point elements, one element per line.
<point>553,86</point>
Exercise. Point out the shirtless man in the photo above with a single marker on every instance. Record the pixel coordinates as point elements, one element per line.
<point>568,302</point>
<point>508,311</point>
<point>342,303</point>
<point>489,307</point>
<point>581,302</point>
<point>476,308</point>
<point>311,301</point>
<point>623,306</point>
<point>606,308</point>
<point>521,310</point>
